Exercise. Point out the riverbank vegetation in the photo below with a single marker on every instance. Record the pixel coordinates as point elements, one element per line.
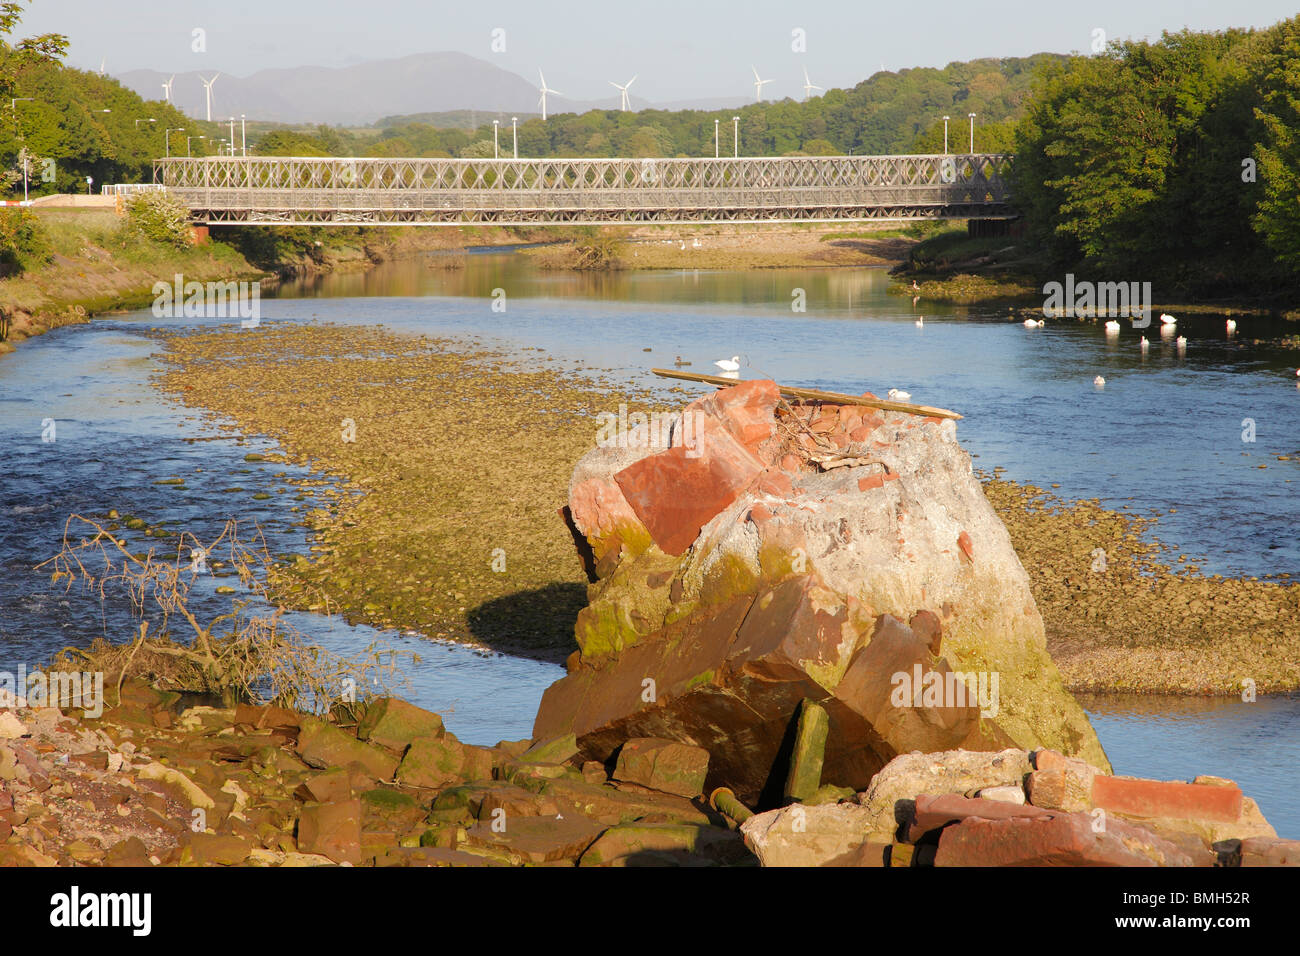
<point>1176,162</point>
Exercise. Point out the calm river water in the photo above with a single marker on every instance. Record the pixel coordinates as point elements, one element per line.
<point>1166,432</point>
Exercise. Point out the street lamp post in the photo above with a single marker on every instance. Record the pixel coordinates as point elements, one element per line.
<point>149,120</point>
<point>167,138</point>
<point>514,131</point>
<point>232,137</point>
<point>972,133</point>
<point>945,136</point>
<point>496,129</point>
<point>735,137</point>
<point>13,108</point>
<point>715,137</point>
<point>187,144</point>
<point>243,136</point>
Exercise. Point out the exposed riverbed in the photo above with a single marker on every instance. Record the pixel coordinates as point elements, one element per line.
<point>1165,433</point>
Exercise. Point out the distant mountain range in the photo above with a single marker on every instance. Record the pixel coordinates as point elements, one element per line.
<point>424,83</point>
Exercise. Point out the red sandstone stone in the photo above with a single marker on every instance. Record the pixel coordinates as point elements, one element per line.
<point>871,481</point>
<point>1057,839</point>
<point>1269,851</point>
<point>933,812</point>
<point>675,494</point>
<point>967,548</point>
<point>1159,798</point>
<point>747,410</point>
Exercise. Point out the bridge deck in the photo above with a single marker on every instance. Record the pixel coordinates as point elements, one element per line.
<point>274,190</point>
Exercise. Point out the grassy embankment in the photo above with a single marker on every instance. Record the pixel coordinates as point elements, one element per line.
<point>97,266</point>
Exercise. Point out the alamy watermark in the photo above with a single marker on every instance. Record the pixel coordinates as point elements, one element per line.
<point>1092,299</point>
<point>181,299</point>
<point>62,689</point>
<point>651,430</point>
<point>931,688</point>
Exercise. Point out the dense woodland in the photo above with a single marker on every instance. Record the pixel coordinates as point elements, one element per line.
<point>1176,161</point>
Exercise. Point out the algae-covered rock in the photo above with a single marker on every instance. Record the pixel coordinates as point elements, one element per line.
<point>321,744</point>
<point>663,765</point>
<point>392,722</point>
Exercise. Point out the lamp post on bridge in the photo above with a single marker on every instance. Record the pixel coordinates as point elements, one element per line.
<point>187,143</point>
<point>243,136</point>
<point>735,137</point>
<point>945,135</point>
<point>167,138</point>
<point>514,132</point>
<point>972,133</point>
<point>496,128</point>
<point>715,137</point>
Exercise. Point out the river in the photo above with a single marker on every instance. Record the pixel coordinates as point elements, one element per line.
<point>1165,434</point>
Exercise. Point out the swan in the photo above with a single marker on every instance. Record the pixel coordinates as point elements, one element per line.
<point>1232,325</point>
<point>729,365</point>
<point>1145,344</point>
<point>1099,381</point>
<point>1112,326</point>
<point>1167,319</point>
<point>1031,324</point>
<point>897,395</point>
<point>1181,341</point>
<point>920,321</point>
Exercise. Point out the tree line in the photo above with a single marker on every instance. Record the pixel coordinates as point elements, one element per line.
<point>1176,161</point>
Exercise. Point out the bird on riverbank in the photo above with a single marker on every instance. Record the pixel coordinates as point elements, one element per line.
<point>729,365</point>
<point>1099,381</point>
<point>897,395</point>
<point>679,363</point>
<point>1167,319</point>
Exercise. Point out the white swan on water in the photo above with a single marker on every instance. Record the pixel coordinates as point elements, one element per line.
<point>920,321</point>
<point>1167,319</point>
<point>1099,381</point>
<point>1232,325</point>
<point>1112,326</point>
<point>1145,344</point>
<point>1181,341</point>
<point>898,396</point>
<point>729,365</point>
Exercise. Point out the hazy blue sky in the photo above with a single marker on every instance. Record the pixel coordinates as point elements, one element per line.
<point>679,48</point>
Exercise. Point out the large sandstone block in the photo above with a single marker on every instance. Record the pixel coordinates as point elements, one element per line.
<point>777,569</point>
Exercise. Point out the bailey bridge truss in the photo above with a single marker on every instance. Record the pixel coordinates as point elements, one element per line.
<point>282,190</point>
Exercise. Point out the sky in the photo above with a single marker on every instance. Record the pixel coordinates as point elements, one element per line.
<point>678,49</point>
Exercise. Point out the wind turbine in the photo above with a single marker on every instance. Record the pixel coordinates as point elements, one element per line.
<point>808,85</point>
<point>167,88</point>
<point>544,90</point>
<point>102,61</point>
<point>623,89</point>
<point>207,86</point>
<point>758,85</point>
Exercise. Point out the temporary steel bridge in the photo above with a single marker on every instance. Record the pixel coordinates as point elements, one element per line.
<point>426,192</point>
